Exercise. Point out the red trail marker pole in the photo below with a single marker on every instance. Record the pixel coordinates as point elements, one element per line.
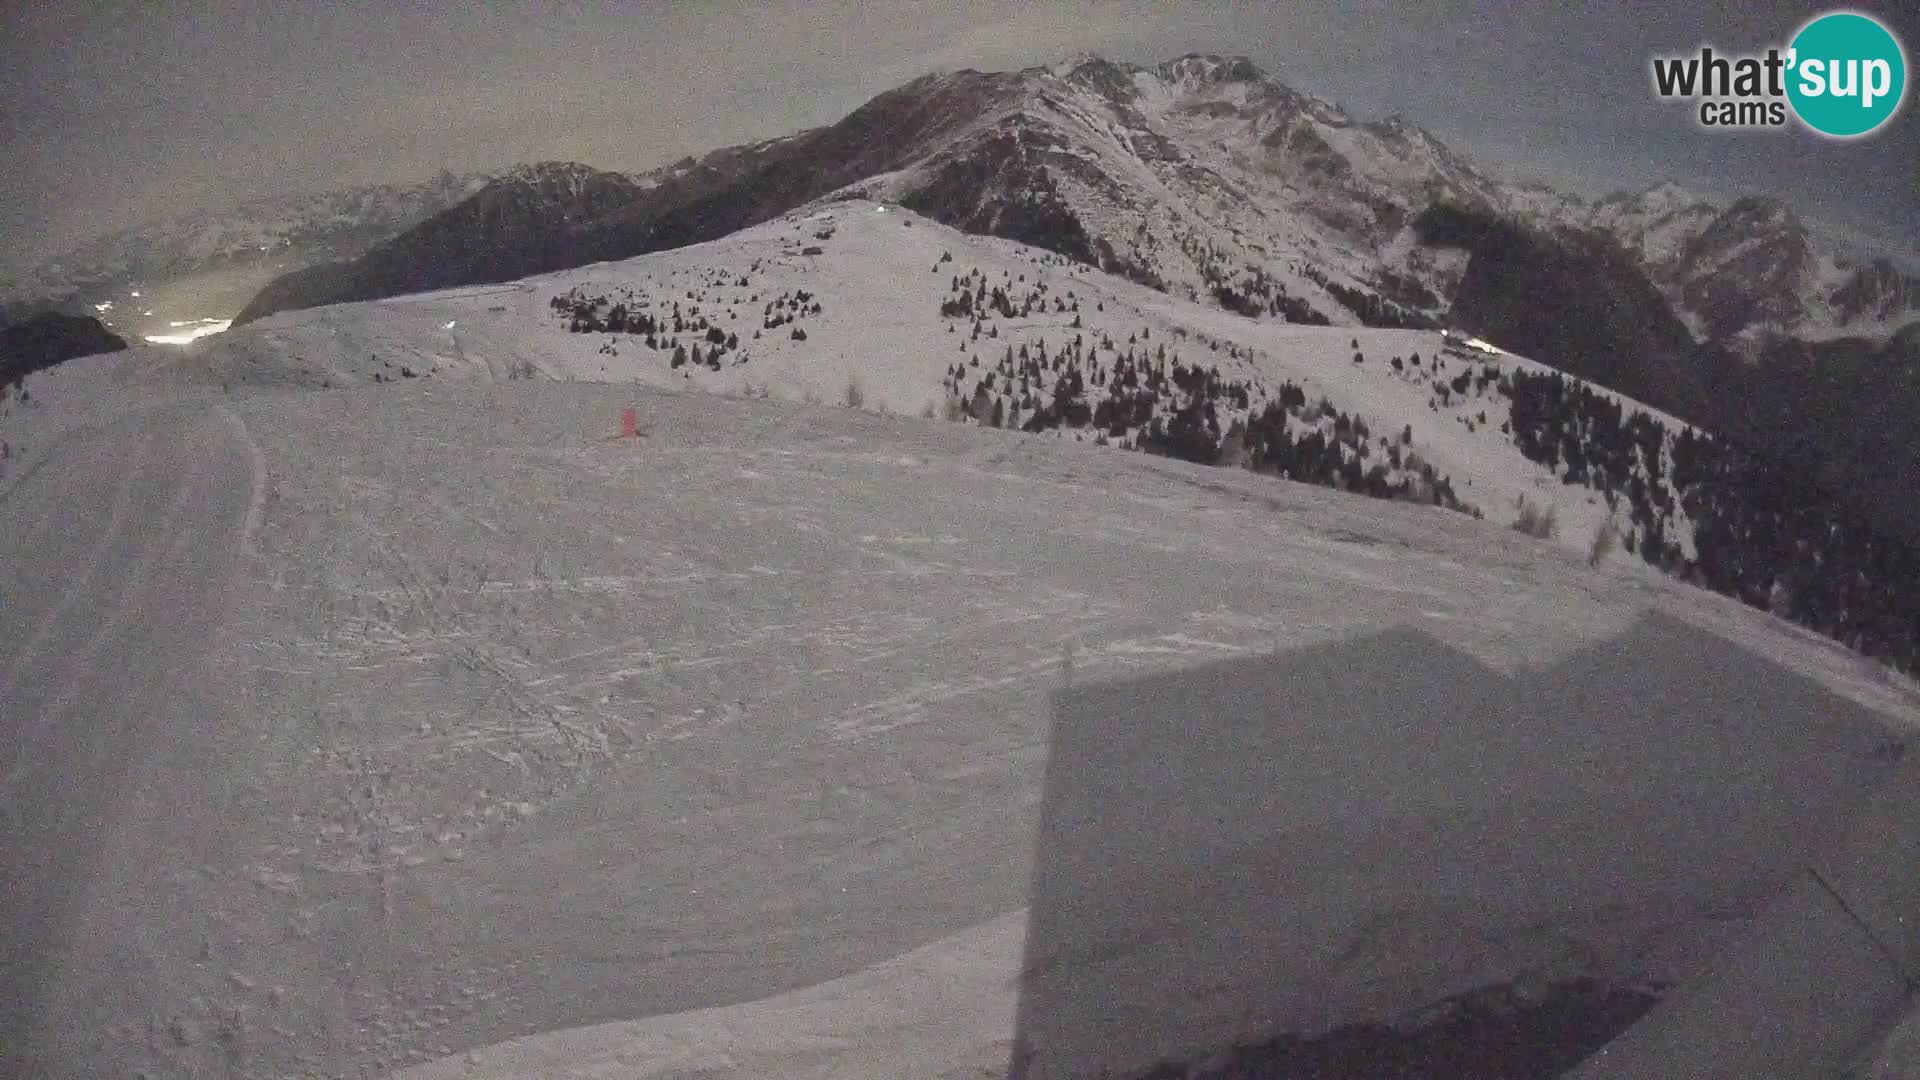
<point>629,424</point>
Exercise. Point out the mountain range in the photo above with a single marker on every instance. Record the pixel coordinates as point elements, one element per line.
<point>251,242</point>
<point>1202,175</point>
<point>1206,179</point>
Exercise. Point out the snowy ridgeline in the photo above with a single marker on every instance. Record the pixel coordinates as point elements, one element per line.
<point>911,317</point>
<point>863,303</point>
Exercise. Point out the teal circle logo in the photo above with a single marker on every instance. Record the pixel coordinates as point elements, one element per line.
<point>1847,74</point>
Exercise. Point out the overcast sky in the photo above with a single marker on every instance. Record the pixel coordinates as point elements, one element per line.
<point>113,114</point>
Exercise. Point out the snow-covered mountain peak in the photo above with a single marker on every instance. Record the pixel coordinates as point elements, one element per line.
<point>1669,196</point>
<point>1657,201</point>
<point>1086,61</point>
<point>549,170</point>
<point>1196,70</point>
<point>558,177</point>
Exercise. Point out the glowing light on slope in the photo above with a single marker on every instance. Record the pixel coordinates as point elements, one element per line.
<point>206,327</point>
<point>1469,341</point>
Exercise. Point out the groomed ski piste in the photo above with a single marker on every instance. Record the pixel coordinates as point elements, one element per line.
<point>447,733</point>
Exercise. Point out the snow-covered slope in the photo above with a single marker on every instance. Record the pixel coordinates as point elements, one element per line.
<point>440,718</point>
<point>852,293</point>
<point>929,320</point>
